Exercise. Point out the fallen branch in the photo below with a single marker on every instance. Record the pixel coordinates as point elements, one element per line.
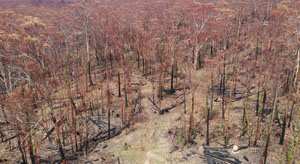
<point>8,139</point>
<point>157,108</point>
<point>52,129</point>
<point>96,123</point>
<point>56,160</point>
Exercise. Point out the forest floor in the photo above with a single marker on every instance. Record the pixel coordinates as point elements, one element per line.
<point>156,138</point>
<point>159,139</point>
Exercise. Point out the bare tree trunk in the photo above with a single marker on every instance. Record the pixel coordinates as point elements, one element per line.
<point>88,56</point>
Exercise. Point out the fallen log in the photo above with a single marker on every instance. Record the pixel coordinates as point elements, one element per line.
<point>222,158</point>
<point>226,155</point>
<point>211,160</point>
<point>102,133</point>
<point>217,148</point>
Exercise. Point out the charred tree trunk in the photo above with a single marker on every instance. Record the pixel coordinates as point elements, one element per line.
<point>160,87</point>
<point>29,140</point>
<point>265,153</point>
<point>111,60</point>
<point>108,106</point>
<point>62,123</point>
<point>257,99</point>
<point>228,116</point>
<point>259,115</point>
<point>97,57</point>
<point>90,73</point>
<point>291,114</point>
<point>60,148</point>
<point>184,95</point>
<point>144,66</point>
<point>21,151</point>
<point>85,109</point>
<point>191,128</point>
<point>209,109</point>
<point>88,56</point>
<point>74,126</point>
<point>223,87</point>
<point>264,100</point>
<point>211,51</point>
<point>36,152</point>
<point>138,59</point>
<point>172,79</point>
<point>295,141</point>
<point>70,128</point>
<point>86,132</point>
<point>283,128</point>
<point>119,85</point>
<point>126,94</point>
<point>102,97</point>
